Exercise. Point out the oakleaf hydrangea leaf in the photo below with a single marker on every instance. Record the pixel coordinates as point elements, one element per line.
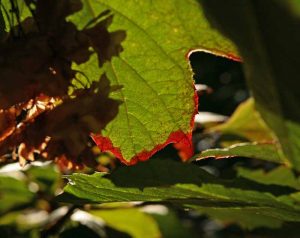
<point>149,62</point>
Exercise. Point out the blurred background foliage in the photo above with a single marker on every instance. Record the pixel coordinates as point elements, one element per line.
<point>29,207</point>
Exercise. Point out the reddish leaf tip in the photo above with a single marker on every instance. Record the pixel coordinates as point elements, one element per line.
<point>105,144</point>
<point>183,142</point>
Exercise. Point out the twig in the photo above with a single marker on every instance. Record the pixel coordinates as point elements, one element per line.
<point>57,226</point>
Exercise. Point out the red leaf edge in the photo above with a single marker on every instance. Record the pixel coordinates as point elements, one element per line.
<point>183,140</point>
<point>105,144</point>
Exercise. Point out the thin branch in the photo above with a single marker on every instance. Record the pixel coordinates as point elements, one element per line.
<point>55,228</point>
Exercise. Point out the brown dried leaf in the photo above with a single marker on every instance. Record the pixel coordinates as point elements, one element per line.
<point>7,123</point>
<point>38,118</point>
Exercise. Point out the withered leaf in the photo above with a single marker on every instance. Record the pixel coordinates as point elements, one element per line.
<point>39,119</point>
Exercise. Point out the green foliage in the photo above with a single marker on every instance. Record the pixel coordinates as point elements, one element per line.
<point>267,35</point>
<point>279,176</point>
<point>187,186</point>
<point>131,221</point>
<point>9,18</point>
<point>46,177</point>
<point>268,152</point>
<point>246,122</point>
<point>118,72</point>
<point>2,26</point>
<point>13,194</point>
<point>157,89</point>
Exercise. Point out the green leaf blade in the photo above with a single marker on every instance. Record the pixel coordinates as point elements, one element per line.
<point>262,151</point>
<point>159,102</point>
<point>188,186</point>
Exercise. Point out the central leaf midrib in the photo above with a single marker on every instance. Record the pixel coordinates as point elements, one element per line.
<point>162,50</point>
<point>126,109</point>
<point>157,95</point>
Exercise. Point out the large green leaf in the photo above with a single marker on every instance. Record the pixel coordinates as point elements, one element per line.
<point>158,93</point>
<point>267,35</point>
<point>182,184</point>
